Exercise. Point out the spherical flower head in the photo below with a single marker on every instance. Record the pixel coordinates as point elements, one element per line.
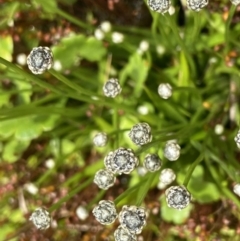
<point>140,134</point>
<point>177,197</point>
<point>196,5</point>
<point>236,189</point>
<point>112,88</point>
<point>122,234</point>
<point>41,218</point>
<point>160,6</point>
<point>235,2</point>
<point>104,179</point>
<point>152,162</point>
<point>100,139</point>
<point>40,59</point>
<point>133,218</point>
<point>105,212</point>
<point>172,151</point>
<point>237,139</point>
<point>121,161</point>
<point>165,90</point>
<point>167,176</point>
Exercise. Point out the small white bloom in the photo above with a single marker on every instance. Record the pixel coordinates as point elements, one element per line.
<point>143,110</point>
<point>31,188</point>
<point>133,218</point>
<point>41,218</point>
<point>122,234</point>
<point>236,189</point>
<point>172,151</point>
<point>140,134</point>
<point>112,88</point>
<point>144,45</point>
<point>196,5</point>
<point>105,212</point>
<point>161,185</point>
<point>104,179</point>
<point>219,129</point>
<point>100,139</point>
<point>142,171</point>
<point>57,65</point>
<point>106,26</point>
<point>177,197</point>
<point>152,162</point>
<point>237,139</point>
<point>121,161</point>
<point>50,163</point>
<point>160,49</point>
<point>40,59</point>
<point>171,10</point>
<point>165,90</point>
<point>160,6</point>
<point>167,176</point>
<point>99,34</point>
<point>235,2</point>
<point>82,213</point>
<point>21,59</point>
<point>117,37</point>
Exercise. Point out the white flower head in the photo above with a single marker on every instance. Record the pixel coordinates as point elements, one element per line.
<point>152,162</point>
<point>121,161</point>
<point>133,218</point>
<point>82,213</point>
<point>40,59</point>
<point>237,139</point>
<point>104,179</point>
<point>196,5</point>
<point>112,88</point>
<point>122,234</point>
<point>41,218</point>
<point>140,134</point>
<point>165,90</point>
<point>100,139</point>
<point>167,176</point>
<point>117,37</point>
<point>160,6</point>
<point>177,197</point>
<point>99,34</point>
<point>172,151</point>
<point>106,26</point>
<point>105,212</point>
<point>236,189</point>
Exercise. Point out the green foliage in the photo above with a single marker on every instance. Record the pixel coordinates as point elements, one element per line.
<point>55,115</point>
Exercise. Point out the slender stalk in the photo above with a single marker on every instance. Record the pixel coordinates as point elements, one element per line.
<point>72,19</point>
<point>181,43</point>
<point>227,27</point>
<point>192,168</point>
<point>71,194</point>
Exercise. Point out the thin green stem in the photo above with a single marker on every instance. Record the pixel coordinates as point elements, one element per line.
<point>143,190</point>
<point>192,168</point>
<point>73,19</point>
<point>227,27</point>
<point>181,43</point>
<point>70,195</point>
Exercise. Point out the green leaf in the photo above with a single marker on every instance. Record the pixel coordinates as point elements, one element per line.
<point>13,149</point>
<point>47,6</point>
<point>137,70</point>
<point>207,191</point>
<point>72,47</point>
<point>173,215</point>
<point>6,49</point>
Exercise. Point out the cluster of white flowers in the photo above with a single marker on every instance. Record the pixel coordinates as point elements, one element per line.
<point>163,6</point>
<point>132,219</point>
